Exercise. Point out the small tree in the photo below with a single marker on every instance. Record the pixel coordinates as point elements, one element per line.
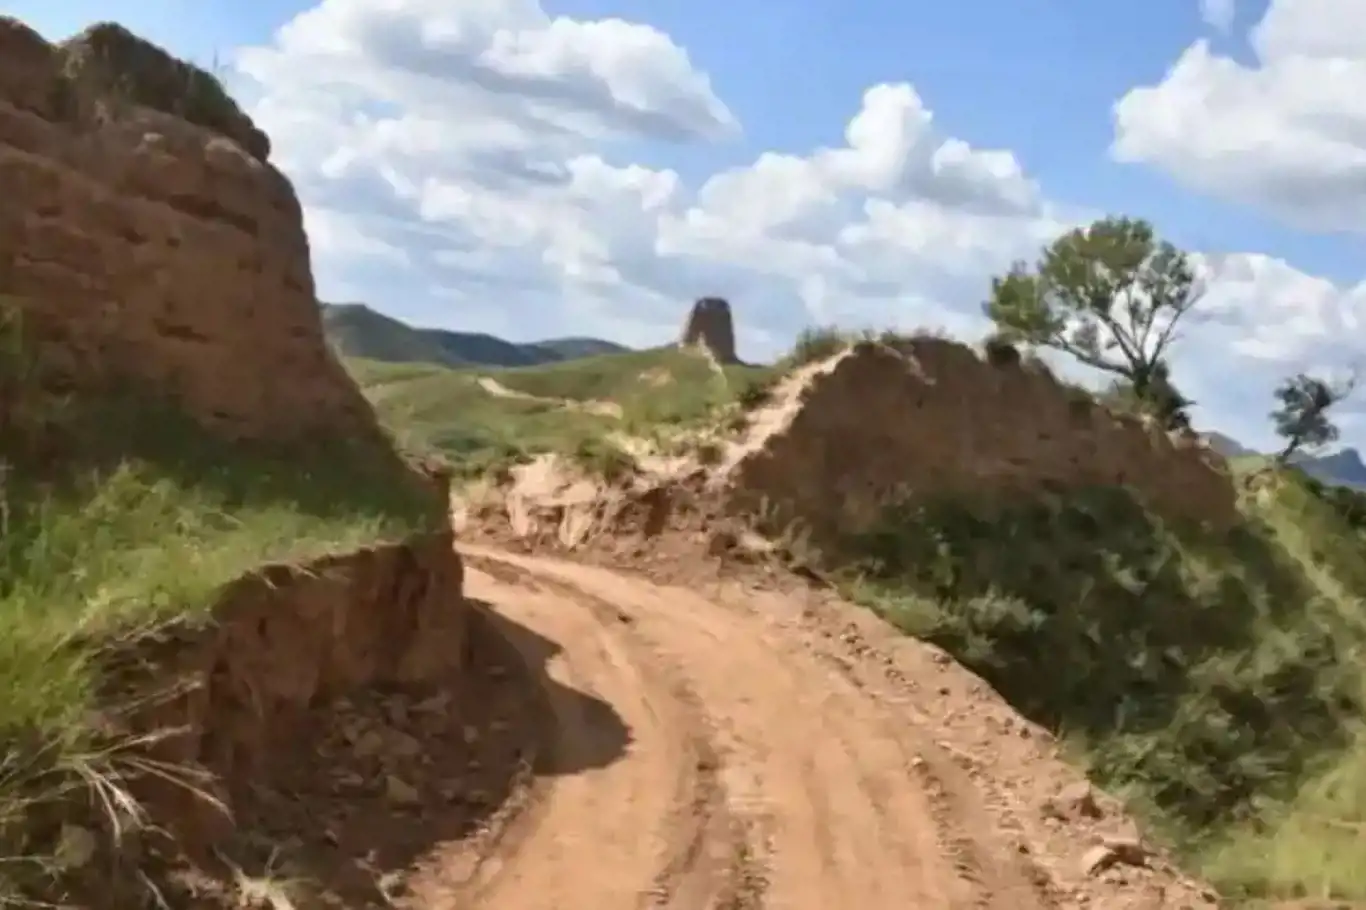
<point>1302,419</point>
<point>1111,295</point>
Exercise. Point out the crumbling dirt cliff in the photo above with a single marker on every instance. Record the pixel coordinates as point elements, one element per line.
<point>148,246</point>
<point>282,643</point>
<point>930,417</point>
<point>146,237</point>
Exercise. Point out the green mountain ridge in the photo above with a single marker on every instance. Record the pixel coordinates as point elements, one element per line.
<point>1343,467</point>
<point>357,331</point>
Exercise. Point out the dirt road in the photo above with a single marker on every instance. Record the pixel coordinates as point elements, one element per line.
<point>772,760</point>
<point>601,408</point>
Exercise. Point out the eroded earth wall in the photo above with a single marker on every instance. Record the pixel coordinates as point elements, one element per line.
<point>145,239</point>
<point>144,235</point>
<point>932,417</point>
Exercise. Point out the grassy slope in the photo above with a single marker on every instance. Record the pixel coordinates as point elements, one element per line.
<point>446,410</point>
<point>149,518</point>
<point>1218,681</point>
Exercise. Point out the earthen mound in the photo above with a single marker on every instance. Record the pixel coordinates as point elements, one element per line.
<point>711,326</point>
<point>107,62</point>
<point>881,423</point>
<point>149,241</point>
<point>151,251</point>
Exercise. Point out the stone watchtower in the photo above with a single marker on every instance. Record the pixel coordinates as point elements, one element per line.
<point>711,326</point>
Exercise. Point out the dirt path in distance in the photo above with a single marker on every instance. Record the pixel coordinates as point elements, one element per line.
<point>601,408</point>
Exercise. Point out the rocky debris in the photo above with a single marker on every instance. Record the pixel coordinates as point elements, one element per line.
<point>281,642</point>
<point>1115,850</point>
<point>376,782</point>
<point>711,326</point>
<point>148,239</point>
<point>1077,800</point>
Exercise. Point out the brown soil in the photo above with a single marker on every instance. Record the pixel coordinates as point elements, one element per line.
<point>789,749</point>
<point>708,744</point>
<point>784,756</point>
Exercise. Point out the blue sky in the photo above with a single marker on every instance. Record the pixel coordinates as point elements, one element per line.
<point>1102,107</point>
<point>1038,79</point>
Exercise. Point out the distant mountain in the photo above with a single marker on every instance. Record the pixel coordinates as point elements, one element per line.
<point>358,331</point>
<point>1344,467</point>
<point>1227,446</point>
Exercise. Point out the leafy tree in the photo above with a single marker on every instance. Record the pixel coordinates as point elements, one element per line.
<point>1111,295</point>
<point>1302,419</point>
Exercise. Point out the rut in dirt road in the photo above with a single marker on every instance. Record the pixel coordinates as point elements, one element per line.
<point>757,775</point>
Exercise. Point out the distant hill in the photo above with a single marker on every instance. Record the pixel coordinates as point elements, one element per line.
<point>1227,446</point>
<point>1344,467</point>
<point>358,331</point>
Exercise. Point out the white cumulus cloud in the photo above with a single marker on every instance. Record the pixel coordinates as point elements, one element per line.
<point>1218,14</point>
<point>486,165</point>
<point>1286,132</point>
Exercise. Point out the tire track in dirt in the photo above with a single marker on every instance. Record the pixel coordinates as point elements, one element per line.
<point>962,799</point>
<point>648,831</point>
<point>997,765</point>
<point>844,801</point>
<point>713,866</point>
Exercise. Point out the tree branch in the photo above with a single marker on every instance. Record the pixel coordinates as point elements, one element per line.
<point>1091,360</point>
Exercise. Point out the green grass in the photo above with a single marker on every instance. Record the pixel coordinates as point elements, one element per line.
<point>443,409</point>
<point>1219,681</point>
<point>660,387</point>
<point>146,521</point>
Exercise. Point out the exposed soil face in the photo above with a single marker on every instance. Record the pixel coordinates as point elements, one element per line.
<point>929,417</point>
<point>148,239</point>
<point>239,696</point>
<point>373,787</point>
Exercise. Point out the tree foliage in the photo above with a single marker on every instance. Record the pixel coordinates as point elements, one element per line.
<point>1111,295</point>
<point>1302,418</point>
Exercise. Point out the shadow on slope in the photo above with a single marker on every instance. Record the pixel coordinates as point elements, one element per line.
<point>389,786</point>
